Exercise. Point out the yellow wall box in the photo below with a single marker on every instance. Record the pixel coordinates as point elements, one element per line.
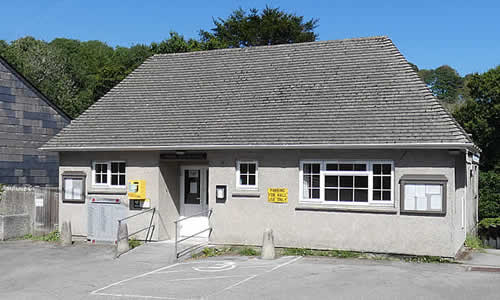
<point>137,189</point>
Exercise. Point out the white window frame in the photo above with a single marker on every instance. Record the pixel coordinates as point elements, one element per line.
<point>247,186</point>
<point>321,180</point>
<point>323,172</point>
<point>108,173</point>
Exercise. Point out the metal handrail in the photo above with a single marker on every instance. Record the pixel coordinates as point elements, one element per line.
<point>208,212</point>
<point>140,213</point>
<point>150,228</point>
<point>177,241</point>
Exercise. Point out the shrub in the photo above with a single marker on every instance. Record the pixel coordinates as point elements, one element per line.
<point>473,242</point>
<point>489,194</point>
<point>134,243</point>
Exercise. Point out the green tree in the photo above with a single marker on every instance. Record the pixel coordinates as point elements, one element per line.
<point>253,28</point>
<point>489,194</point>
<point>480,115</point>
<point>444,82</point>
<point>45,67</point>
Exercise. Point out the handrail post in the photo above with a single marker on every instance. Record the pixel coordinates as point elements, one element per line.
<point>150,224</point>
<point>117,238</point>
<point>175,240</point>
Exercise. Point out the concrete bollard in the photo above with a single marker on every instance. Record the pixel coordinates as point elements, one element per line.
<point>268,251</point>
<point>122,245</point>
<point>66,235</point>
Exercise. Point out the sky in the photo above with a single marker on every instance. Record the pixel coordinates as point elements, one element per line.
<point>462,34</point>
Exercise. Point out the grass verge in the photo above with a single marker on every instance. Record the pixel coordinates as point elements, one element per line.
<point>53,236</point>
<point>236,250</point>
<point>251,251</point>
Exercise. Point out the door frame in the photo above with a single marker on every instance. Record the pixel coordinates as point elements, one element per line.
<point>203,186</point>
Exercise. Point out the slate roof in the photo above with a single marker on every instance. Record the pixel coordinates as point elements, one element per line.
<point>321,94</point>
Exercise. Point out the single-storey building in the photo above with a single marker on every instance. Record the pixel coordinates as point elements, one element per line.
<point>332,144</point>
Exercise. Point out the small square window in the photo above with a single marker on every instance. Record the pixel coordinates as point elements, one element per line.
<point>247,174</point>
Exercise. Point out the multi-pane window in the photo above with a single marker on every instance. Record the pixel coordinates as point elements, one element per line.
<point>246,173</point>
<point>346,182</point>
<point>117,173</point>
<point>382,182</point>
<point>311,180</point>
<point>101,173</point>
<point>109,173</point>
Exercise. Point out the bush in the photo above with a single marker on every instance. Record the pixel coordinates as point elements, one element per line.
<point>489,228</point>
<point>473,242</point>
<point>132,243</point>
<point>489,195</point>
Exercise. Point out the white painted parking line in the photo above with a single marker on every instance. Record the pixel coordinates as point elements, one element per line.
<point>134,296</point>
<point>224,266</point>
<point>253,276</point>
<point>204,278</point>
<point>96,292</point>
<point>207,267</point>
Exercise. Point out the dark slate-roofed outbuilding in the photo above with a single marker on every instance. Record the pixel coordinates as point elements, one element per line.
<point>28,119</point>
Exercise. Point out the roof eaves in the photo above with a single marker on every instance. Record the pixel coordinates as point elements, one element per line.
<point>469,146</point>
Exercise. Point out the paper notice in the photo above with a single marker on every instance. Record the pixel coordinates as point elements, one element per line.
<point>193,187</point>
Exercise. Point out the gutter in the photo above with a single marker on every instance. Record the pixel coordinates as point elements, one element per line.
<point>452,146</point>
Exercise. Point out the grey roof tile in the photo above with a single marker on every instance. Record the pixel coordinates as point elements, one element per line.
<point>355,91</point>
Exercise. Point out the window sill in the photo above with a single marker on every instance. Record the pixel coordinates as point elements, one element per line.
<point>423,213</point>
<point>107,190</point>
<point>348,208</point>
<point>246,194</point>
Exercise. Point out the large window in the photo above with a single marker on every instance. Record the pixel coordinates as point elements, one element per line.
<point>109,174</point>
<point>246,174</point>
<point>347,182</point>
<point>423,194</point>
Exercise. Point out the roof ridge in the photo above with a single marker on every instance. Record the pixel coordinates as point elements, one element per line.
<point>198,52</point>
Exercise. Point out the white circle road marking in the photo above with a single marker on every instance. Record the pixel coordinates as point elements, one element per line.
<point>219,267</point>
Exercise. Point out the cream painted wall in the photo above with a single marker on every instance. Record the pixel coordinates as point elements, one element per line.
<point>139,165</point>
<point>245,215</point>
